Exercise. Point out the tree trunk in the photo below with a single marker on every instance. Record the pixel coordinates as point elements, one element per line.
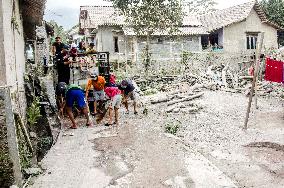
<point>147,61</point>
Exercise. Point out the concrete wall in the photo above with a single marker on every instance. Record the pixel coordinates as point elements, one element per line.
<point>235,34</point>
<point>169,49</point>
<point>161,47</point>
<point>14,59</point>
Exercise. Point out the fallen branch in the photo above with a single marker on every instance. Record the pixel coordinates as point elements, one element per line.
<point>185,99</point>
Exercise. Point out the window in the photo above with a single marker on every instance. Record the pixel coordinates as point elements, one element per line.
<point>160,40</point>
<point>116,49</point>
<point>251,41</point>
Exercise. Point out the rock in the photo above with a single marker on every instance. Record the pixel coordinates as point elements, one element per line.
<point>32,171</point>
<point>33,135</point>
<point>176,110</point>
<point>14,186</point>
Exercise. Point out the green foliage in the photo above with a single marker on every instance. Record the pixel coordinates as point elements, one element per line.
<point>150,91</point>
<point>185,55</point>
<point>150,16</point>
<point>59,31</point>
<point>200,6</point>
<point>172,128</point>
<point>33,112</point>
<point>274,10</point>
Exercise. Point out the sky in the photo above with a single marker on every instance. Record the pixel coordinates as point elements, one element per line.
<point>66,12</point>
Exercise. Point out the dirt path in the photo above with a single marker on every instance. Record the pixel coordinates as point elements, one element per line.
<point>208,152</point>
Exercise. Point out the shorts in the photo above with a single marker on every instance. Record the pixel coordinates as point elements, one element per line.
<point>75,95</point>
<point>99,95</point>
<point>132,95</point>
<point>115,102</point>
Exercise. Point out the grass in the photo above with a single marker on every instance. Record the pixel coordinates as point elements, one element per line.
<point>172,129</point>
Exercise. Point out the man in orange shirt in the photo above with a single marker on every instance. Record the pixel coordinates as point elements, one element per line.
<point>98,84</point>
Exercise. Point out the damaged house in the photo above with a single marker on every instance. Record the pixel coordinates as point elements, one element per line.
<point>233,30</point>
<point>236,29</point>
<point>107,30</point>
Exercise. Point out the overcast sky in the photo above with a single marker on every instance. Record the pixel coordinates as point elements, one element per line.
<point>66,12</point>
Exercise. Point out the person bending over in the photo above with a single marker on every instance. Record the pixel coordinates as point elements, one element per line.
<point>73,93</point>
<point>128,91</point>
<point>98,84</point>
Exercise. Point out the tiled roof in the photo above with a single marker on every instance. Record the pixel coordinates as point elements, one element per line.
<point>222,18</point>
<point>183,31</point>
<point>99,15</point>
<point>107,15</point>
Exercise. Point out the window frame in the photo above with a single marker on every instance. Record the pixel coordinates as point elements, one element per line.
<point>251,40</point>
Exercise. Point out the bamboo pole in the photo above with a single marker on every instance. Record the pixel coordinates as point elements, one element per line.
<point>25,132</point>
<point>255,75</point>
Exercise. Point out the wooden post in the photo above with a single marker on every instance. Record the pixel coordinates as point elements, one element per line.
<point>257,56</point>
<point>255,75</point>
<point>12,136</point>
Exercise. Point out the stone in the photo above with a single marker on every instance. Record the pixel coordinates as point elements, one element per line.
<point>32,171</point>
<point>33,135</point>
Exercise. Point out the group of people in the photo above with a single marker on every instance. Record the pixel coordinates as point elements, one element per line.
<point>109,94</point>
<point>62,52</point>
<point>112,94</point>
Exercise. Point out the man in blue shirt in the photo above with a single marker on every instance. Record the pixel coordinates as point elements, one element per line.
<point>73,93</point>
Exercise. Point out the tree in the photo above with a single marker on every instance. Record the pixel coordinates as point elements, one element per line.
<point>59,31</point>
<point>200,6</point>
<point>149,16</point>
<point>274,10</point>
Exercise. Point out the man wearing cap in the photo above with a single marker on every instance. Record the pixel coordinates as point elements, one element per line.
<point>128,91</point>
<point>98,84</point>
<point>70,94</point>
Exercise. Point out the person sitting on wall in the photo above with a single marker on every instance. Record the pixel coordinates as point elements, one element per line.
<point>81,47</point>
<point>73,52</point>
<point>57,47</point>
<point>98,83</point>
<point>91,49</point>
<point>128,91</point>
<point>71,94</point>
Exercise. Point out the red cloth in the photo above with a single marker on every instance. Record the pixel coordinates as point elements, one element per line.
<point>274,70</point>
<point>112,91</point>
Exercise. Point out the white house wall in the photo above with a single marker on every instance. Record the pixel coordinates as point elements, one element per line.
<point>14,46</point>
<point>169,49</point>
<point>235,34</point>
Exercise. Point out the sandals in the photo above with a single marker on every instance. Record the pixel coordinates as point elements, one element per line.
<point>89,124</point>
<point>73,127</point>
<point>107,124</point>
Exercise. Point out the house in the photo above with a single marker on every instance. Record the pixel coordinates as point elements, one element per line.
<point>75,36</point>
<point>236,29</point>
<point>18,21</point>
<point>110,34</point>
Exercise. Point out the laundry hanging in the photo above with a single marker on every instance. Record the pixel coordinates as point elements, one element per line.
<point>274,71</point>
